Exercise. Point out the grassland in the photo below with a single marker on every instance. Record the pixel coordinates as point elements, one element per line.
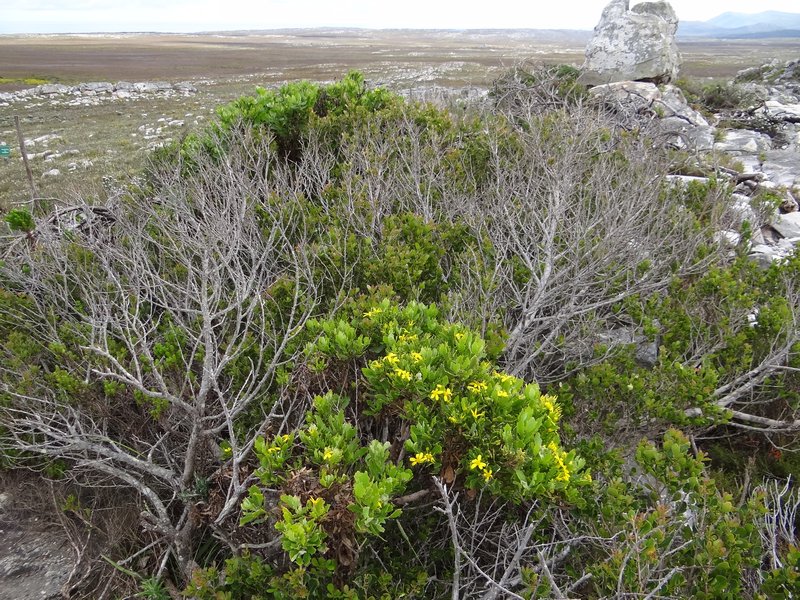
<point>112,139</point>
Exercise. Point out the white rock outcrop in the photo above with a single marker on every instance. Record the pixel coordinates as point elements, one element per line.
<point>685,127</point>
<point>633,44</point>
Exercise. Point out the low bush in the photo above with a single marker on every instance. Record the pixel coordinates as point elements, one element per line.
<point>344,345</point>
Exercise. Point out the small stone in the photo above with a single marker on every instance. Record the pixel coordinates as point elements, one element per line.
<point>789,204</point>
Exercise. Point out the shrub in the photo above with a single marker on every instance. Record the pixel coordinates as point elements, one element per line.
<point>407,397</point>
<point>247,353</point>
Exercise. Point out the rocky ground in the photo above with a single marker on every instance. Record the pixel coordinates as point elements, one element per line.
<point>757,146</point>
<point>35,557</point>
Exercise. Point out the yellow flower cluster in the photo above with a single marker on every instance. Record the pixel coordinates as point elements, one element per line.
<point>477,464</point>
<point>420,458</point>
<point>402,374</point>
<point>477,386</point>
<point>558,455</point>
<point>441,392</point>
<point>373,313</point>
<point>504,377</point>
<point>391,358</point>
<point>416,357</point>
<point>549,402</point>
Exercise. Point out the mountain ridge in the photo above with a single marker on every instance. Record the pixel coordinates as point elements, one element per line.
<point>766,24</point>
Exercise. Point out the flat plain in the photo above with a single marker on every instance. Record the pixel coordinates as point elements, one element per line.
<point>86,142</point>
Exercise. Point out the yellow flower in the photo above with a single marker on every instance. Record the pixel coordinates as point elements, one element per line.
<point>391,358</point>
<point>402,374</point>
<point>549,402</point>
<point>273,449</point>
<point>375,364</point>
<point>504,377</point>
<point>416,357</point>
<point>374,312</point>
<point>477,386</point>
<point>442,392</point>
<point>328,454</point>
<point>410,337</point>
<point>475,414</point>
<point>477,463</point>
<point>487,474</point>
<point>502,394</point>
<point>558,456</point>
<point>421,458</point>
<point>459,336</point>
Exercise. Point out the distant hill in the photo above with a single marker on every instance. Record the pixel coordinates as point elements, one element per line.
<point>731,25</point>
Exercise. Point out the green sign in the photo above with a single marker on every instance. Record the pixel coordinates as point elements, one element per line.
<point>5,151</point>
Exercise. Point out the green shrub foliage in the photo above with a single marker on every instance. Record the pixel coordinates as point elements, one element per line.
<point>409,397</point>
<point>346,345</point>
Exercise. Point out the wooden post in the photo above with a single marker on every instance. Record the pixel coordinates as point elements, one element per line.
<point>27,165</point>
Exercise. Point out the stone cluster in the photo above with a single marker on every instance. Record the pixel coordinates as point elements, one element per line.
<point>630,61</point>
<point>91,92</point>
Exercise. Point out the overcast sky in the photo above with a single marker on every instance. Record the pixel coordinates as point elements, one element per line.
<point>49,16</point>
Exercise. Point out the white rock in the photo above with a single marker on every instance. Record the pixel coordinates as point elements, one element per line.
<point>51,89</point>
<point>685,179</point>
<point>783,112</point>
<point>788,225</point>
<point>633,44</point>
<point>145,87</point>
<point>744,141</point>
<point>782,167</point>
<point>51,173</point>
<point>727,238</point>
<point>740,206</point>
<point>98,87</point>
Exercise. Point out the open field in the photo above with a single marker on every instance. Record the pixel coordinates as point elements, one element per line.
<point>113,137</point>
<point>313,54</point>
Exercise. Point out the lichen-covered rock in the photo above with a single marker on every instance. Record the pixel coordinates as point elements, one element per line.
<point>98,87</point>
<point>775,72</point>
<point>637,44</point>
<point>49,89</point>
<point>743,141</point>
<point>684,126</point>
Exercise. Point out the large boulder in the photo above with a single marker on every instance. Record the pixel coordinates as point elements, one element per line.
<point>682,126</point>
<point>633,44</point>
